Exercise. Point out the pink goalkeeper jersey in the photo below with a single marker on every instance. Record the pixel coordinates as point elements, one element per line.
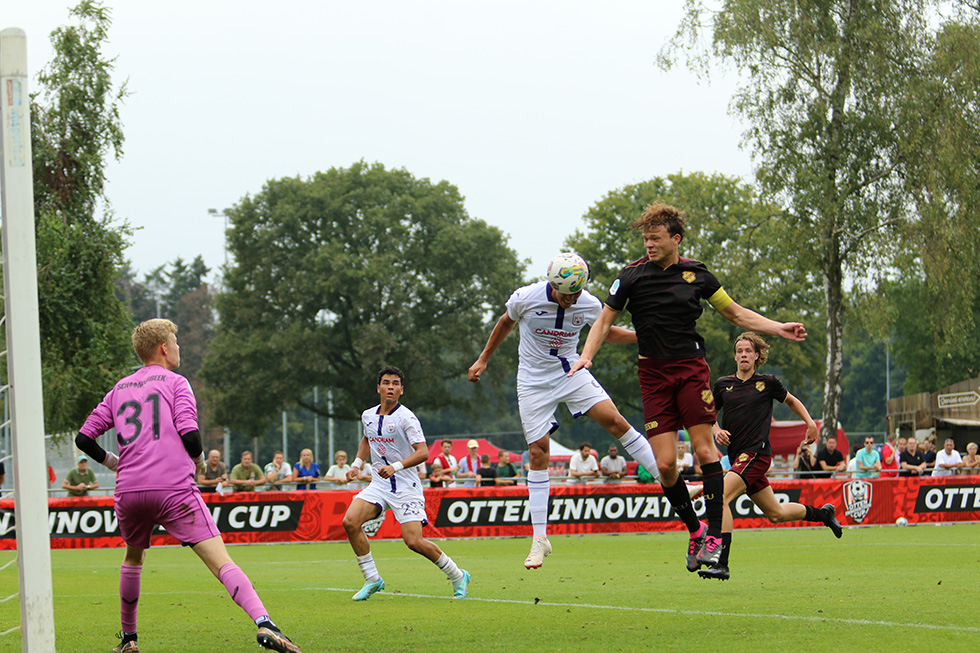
<point>150,410</point>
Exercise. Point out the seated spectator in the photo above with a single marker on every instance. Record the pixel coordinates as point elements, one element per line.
<point>245,476</point>
<point>830,459</point>
<point>583,465</point>
<point>215,473</point>
<point>685,460</point>
<point>80,480</point>
<point>3,473</point>
<point>971,461</point>
<point>506,472</point>
<point>469,465</point>
<point>804,462</point>
<point>890,454</point>
<point>928,447</point>
<point>439,477</point>
<point>486,474</point>
<point>447,461</point>
<point>277,470</point>
<point>867,460</point>
<point>338,471</point>
<point>306,471</point>
<point>911,461</point>
<point>613,466</point>
<point>948,461</point>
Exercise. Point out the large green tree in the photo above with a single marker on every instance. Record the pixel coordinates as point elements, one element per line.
<point>335,276</point>
<point>838,97</point>
<point>75,129</point>
<point>729,229</point>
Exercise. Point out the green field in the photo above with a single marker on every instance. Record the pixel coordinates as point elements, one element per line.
<point>877,589</point>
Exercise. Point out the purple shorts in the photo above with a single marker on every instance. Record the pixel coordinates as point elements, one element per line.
<point>182,512</point>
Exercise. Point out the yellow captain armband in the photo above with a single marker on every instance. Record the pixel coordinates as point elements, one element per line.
<point>720,300</point>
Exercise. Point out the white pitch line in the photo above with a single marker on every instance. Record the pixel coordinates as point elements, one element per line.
<point>695,613</point>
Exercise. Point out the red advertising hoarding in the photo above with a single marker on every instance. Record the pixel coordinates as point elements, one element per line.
<point>481,512</point>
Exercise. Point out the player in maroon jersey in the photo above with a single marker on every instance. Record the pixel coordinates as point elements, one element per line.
<point>745,401</point>
<point>663,293</point>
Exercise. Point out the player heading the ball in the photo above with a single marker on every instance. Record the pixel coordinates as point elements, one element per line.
<point>550,316</point>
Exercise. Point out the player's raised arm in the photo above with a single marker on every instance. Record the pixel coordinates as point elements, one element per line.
<point>797,407</point>
<point>597,335</point>
<point>501,330</point>
<point>752,321</point>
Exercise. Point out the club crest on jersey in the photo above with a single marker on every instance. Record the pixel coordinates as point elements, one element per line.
<point>707,397</point>
<point>578,320</point>
<point>391,428</point>
<point>688,276</point>
<point>760,385</point>
<point>857,499</point>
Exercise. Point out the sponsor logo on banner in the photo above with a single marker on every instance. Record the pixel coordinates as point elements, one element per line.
<point>100,521</point>
<point>579,509</point>
<point>948,498</point>
<point>857,499</point>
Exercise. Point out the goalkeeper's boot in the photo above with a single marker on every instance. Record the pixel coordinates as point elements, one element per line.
<point>718,571</point>
<point>270,637</point>
<point>694,545</point>
<point>370,587</point>
<point>461,586</point>
<point>829,514</point>
<point>540,549</point>
<point>127,645</point>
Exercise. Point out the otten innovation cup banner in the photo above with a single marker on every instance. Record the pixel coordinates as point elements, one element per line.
<point>492,512</point>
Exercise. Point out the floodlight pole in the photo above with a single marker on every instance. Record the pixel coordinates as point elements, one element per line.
<point>24,348</point>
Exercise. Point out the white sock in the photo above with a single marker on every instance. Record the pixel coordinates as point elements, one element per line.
<point>449,567</point>
<point>368,569</point>
<point>538,490</point>
<point>638,447</point>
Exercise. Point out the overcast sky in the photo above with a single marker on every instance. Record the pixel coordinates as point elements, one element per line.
<point>534,110</point>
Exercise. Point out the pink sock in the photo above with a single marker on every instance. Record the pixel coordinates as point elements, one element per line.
<point>129,595</point>
<point>241,590</point>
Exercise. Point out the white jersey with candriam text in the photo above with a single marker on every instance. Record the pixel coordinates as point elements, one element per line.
<point>391,438</point>
<point>549,333</point>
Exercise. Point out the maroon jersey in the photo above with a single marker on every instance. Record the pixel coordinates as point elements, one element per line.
<point>665,304</point>
<point>746,408</point>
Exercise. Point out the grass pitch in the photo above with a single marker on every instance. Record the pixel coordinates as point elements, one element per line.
<point>877,589</point>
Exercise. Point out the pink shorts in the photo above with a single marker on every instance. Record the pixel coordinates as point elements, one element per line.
<point>182,512</point>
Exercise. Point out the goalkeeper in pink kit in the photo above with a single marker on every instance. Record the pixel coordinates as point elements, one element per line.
<point>154,413</point>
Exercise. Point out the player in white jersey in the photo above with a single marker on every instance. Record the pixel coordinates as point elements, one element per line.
<point>393,436</point>
<point>550,323</point>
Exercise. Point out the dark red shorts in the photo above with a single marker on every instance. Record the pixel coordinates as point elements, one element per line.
<point>752,467</point>
<point>675,394</point>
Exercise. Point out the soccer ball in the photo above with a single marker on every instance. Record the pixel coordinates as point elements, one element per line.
<point>567,273</point>
<point>901,521</point>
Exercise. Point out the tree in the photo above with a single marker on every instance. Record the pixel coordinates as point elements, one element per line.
<point>335,276</point>
<point>75,127</point>
<point>837,95</point>
<point>729,230</point>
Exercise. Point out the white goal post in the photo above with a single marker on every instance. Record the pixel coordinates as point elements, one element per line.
<point>24,348</point>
